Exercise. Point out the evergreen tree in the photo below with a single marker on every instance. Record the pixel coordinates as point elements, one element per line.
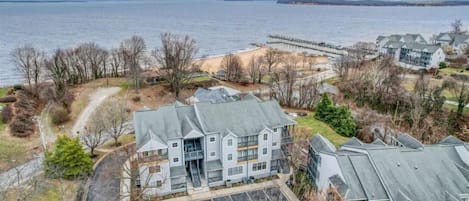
<point>338,118</point>
<point>324,108</point>
<point>69,160</point>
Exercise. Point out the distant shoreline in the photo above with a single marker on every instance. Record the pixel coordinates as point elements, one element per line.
<point>372,3</point>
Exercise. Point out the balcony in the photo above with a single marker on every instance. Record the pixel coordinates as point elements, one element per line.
<point>247,158</point>
<point>287,140</point>
<point>152,158</point>
<point>178,186</point>
<point>194,155</point>
<point>248,143</point>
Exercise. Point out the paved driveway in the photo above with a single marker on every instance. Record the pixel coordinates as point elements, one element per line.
<point>268,194</point>
<point>105,181</point>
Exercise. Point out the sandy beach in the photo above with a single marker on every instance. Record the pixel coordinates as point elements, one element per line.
<point>212,64</point>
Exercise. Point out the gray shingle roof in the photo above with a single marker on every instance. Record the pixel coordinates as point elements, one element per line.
<point>218,95</point>
<point>414,172</point>
<point>321,144</point>
<point>175,121</point>
<point>421,47</point>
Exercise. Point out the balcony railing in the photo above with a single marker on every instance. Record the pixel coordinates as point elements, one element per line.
<point>214,179</point>
<point>248,143</point>
<point>152,158</point>
<point>246,158</point>
<point>287,140</point>
<point>178,186</point>
<point>194,155</point>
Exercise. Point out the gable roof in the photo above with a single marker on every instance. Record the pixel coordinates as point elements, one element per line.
<point>413,172</point>
<point>176,121</point>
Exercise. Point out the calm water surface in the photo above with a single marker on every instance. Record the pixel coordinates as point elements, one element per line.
<point>219,27</point>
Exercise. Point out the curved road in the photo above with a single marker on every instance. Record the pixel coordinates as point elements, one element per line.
<point>35,166</point>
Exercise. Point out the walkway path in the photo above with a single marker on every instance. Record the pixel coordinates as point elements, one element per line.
<point>277,183</point>
<point>35,166</point>
<point>96,98</point>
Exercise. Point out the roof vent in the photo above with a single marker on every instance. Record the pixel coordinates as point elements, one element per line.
<point>415,167</point>
<point>398,164</point>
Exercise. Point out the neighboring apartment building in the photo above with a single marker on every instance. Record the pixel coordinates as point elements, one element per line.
<point>404,171</point>
<point>456,42</point>
<point>181,147</point>
<point>216,94</point>
<point>410,51</point>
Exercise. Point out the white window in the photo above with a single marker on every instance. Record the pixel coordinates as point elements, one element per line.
<point>230,142</point>
<point>176,160</point>
<point>212,139</point>
<point>235,170</point>
<point>259,166</point>
<point>230,157</point>
<point>265,136</point>
<point>275,129</point>
<point>175,144</point>
<point>264,151</point>
<point>145,153</point>
<point>274,144</point>
<point>159,183</point>
<point>212,153</point>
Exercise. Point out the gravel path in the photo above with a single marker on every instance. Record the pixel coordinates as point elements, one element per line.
<point>96,98</point>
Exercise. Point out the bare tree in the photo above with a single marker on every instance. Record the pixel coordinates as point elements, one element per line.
<point>233,67</point>
<point>92,136</point>
<point>342,66</point>
<point>456,27</point>
<point>30,62</point>
<point>175,59</point>
<point>283,82</point>
<point>255,69</point>
<point>116,62</point>
<point>133,50</point>
<point>459,88</point>
<point>58,71</point>
<point>115,119</point>
<point>272,58</point>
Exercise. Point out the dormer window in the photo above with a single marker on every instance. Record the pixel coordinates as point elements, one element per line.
<point>212,139</point>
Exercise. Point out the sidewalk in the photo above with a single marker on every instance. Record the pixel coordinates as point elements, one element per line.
<point>207,195</point>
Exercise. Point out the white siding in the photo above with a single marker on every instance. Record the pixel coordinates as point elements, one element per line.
<point>327,167</point>
<point>212,147</point>
<point>162,176</point>
<point>175,152</point>
<point>276,138</point>
<point>437,57</point>
<point>229,150</point>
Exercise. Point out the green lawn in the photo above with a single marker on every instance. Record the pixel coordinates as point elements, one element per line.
<point>448,71</point>
<point>123,140</point>
<point>454,108</point>
<point>316,126</point>
<point>331,80</point>
<point>200,79</point>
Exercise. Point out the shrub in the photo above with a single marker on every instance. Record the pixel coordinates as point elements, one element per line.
<point>8,99</point>
<point>22,126</point>
<point>18,87</point>
<point>7,114</point>
<point>69,160</point>
<point>136,99</point>
<point>338,118</point>
<point>59,116</point>
<point>443,65</point>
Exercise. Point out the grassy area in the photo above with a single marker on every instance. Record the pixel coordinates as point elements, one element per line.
<point>124,139</point>
<point>449,71</point>
<point>46,190</point>
<point>331,80</point>
<point>454,108</point>
<point>315,126</point>
<point>200,79</point>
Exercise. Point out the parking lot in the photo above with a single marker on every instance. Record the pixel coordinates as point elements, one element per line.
<point>268,194</point>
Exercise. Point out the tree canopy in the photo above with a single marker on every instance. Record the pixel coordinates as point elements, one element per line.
<point>69,160</point>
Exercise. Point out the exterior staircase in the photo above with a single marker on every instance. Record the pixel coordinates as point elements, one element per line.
<point>195,174</point>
